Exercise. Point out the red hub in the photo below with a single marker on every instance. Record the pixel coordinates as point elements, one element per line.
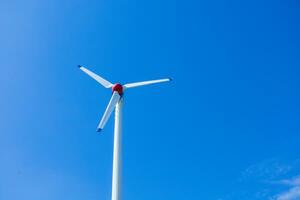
<point>118,88</point>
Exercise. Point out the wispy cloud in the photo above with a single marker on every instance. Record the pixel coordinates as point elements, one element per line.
<point>267,169</point>
<point>271,179</point>
<point>293,193</point>
<point>295,181</point>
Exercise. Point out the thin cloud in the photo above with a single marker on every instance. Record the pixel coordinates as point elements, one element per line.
<point>271,179</point>
<point>267,169</point>
<point>293,193</point>
<point>291,182</point>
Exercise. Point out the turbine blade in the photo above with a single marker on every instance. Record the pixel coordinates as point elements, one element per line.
<point>110,107</point>
<point>98,78</point>
<point>143,83</point>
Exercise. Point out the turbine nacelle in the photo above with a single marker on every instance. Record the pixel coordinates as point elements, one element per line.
<point>117,92</point>
<point>117,88</point>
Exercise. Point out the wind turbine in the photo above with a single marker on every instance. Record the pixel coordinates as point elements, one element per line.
<point>116,102</point>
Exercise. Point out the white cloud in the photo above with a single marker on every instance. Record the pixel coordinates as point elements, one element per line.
<point>291,194</point>
<point>271,179</point>
<point>267,169</point>
<point>291,182</point>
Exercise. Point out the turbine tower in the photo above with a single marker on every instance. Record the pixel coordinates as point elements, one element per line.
<point>116,102</point>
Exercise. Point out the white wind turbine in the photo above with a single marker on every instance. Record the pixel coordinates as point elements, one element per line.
<point>116,102</point>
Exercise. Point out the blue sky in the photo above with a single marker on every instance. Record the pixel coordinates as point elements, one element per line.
<point>226,128</point>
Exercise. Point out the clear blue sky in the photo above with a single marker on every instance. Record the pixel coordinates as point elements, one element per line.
<point>226,128</point>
